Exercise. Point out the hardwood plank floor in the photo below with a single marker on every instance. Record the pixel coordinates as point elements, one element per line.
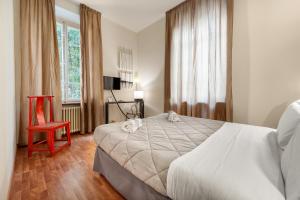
<point>66,175</point>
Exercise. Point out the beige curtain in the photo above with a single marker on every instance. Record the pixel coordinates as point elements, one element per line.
<point>40,70</point>
<point>198,59</point>
<point>92,97</point>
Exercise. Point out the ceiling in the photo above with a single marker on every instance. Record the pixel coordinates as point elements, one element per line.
<point>132,14</point>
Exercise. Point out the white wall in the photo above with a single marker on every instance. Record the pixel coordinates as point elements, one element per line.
<point>7,100</point>
<point>17,63</point>
<point>266,59</point>
<point>151,48</point>
<point>113,37</point>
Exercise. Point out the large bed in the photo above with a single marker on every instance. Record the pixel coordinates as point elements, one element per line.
<point>190,159</point>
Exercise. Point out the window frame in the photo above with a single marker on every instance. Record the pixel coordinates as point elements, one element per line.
<point>65,60</point>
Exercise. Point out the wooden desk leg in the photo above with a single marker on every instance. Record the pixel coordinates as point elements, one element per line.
<point>142,109</point>
<point>106,113</point>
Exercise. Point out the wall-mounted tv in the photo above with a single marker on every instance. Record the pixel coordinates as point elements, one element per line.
<point>111,83</point>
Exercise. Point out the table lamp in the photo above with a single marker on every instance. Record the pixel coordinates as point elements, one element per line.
<point>138,95</point>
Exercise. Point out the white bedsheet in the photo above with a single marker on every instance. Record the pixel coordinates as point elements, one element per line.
<point>238,162</point>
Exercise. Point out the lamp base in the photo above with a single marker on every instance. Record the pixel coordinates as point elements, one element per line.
<point>141,110</point>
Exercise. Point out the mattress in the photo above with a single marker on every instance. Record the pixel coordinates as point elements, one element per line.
<point>129,186</point>
<point>148,152</point>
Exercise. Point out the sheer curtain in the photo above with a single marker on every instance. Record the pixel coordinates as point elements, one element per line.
<point>198,59</point>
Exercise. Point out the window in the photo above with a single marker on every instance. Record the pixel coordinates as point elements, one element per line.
<point>68,36</point>
<point>199,54</point>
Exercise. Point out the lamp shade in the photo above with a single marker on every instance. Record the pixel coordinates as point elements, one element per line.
<point>138,94</point>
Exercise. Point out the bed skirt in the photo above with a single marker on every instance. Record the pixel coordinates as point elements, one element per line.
<point>122,180</point>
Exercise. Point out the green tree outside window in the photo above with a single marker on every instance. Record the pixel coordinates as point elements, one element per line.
<point>69,56</point>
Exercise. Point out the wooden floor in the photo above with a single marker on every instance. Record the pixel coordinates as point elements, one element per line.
<point>66,175</point>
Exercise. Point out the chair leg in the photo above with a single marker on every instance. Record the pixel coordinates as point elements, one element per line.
<point>50,139</point>
<point>30,143</point>
<point>68,133</point>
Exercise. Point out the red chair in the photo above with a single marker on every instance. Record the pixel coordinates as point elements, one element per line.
<point>41,126</point>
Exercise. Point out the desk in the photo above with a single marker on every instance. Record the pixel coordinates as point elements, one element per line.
<point>140,102</point>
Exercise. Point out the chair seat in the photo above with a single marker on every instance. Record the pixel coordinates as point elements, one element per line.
<point>49,126</point>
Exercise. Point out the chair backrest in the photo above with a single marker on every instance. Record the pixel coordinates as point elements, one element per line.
<point>40,109</point>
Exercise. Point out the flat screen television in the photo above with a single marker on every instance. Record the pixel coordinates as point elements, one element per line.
<point>111,83</point>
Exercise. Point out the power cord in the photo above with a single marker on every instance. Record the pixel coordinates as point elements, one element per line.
<point>119,105</point>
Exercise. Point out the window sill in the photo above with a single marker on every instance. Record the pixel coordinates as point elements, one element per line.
<point>73,103</point>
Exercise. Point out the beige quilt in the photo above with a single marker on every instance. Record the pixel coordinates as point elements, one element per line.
<point>148,152</point>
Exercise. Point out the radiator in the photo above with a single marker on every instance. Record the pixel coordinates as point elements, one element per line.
<point>72,114</point>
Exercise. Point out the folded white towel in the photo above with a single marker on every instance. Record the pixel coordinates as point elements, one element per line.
<point>131,125</point>
<point>173,117</point>
<point>139,122</point>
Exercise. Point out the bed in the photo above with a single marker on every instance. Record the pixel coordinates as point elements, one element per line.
<point>161,160</point>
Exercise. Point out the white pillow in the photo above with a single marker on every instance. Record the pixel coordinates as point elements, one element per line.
<point>290,166</point>
<point>287,123</point>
